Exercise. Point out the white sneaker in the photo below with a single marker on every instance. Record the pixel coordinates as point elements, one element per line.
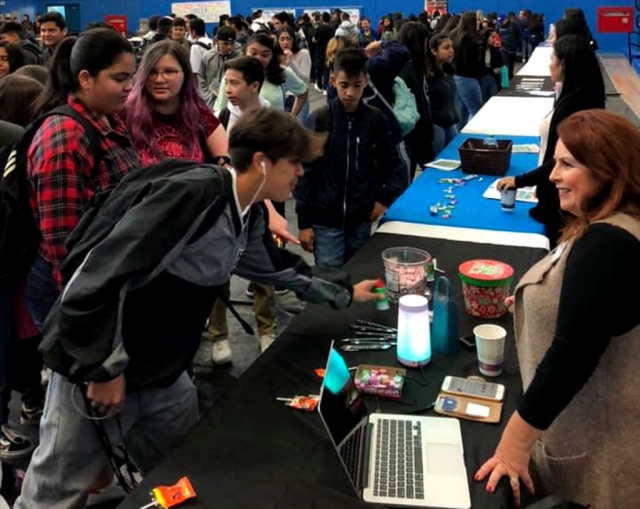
<point>265,341</point>
<point>221,352</point>
<point>317,88</point>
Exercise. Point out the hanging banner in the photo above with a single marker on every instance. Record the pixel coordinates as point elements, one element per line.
<point>436,5</point>
<point>269,12</point>
<point>209,12</point>
<point>355,12</point>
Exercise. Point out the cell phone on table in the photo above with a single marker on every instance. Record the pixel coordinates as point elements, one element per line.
<point>466,387</point>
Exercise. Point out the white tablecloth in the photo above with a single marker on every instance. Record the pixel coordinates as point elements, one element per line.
<point>466,234</point>
<point>538,64</point>
<point>515,116</point>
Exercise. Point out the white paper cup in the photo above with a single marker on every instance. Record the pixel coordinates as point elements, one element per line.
<point>508,199</point>
<point>490,346</point>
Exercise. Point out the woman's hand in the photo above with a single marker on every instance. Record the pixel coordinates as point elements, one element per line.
<point>287,55</point>
<point>364,291</point>
<point>511,458</point>
<point>507,183</point>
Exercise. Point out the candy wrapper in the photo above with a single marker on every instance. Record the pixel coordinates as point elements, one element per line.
<point>171,496</point>
<point>306,403</point>
<point>382,381</point>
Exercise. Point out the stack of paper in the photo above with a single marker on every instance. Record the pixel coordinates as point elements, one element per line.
<point>527,148</point>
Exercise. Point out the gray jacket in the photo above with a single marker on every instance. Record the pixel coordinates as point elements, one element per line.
<point>211,73</point>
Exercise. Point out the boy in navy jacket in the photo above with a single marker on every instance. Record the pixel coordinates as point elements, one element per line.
<point>360,175</point>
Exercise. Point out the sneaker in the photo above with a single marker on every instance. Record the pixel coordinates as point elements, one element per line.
<point>30,416</point>
<point>324,93</point>
<point>13,445</point>
<point>221,352</point>
<point>317,88</point>
<point>279,290</point>
<point>265,341</point>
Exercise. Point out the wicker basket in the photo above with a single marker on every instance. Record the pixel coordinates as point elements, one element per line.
<point>476,157</point>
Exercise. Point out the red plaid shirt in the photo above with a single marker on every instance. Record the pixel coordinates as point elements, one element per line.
<point>60,166</point>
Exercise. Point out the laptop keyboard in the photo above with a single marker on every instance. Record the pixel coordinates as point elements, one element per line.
<point>349,451</point>
<point>399,471</point>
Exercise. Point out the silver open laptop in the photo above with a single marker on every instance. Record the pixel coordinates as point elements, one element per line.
<point>392,459</point>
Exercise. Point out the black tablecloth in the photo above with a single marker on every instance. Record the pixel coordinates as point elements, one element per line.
<point>250,450</point>
<point>521,85</point>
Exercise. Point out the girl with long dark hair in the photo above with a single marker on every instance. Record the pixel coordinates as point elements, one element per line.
<point>468,67</point>
<point>442,91</point>
<point>415,35</point>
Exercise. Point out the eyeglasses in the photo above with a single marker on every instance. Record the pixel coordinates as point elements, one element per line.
<point>168,74</point>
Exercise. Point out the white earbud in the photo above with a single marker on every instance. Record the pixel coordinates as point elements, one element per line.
<point>264,168</point>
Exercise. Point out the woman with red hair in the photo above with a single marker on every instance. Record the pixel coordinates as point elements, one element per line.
<point>577,327</point>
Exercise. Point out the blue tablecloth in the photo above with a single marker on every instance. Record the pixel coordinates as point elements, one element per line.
<point>471,209</point>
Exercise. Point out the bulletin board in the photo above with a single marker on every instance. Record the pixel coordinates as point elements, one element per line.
<point>209,12</point>
<point>269,12</point>
<point>354,12</point>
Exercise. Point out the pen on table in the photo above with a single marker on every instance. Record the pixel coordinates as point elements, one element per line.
<point>370,339</point>
<point>374,325</point>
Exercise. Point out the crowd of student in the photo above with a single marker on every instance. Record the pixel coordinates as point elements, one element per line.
<point>137,296</point>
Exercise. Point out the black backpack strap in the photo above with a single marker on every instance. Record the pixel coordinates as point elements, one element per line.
<point>89,129</point>
<point>247,328</point>
<point>202,45</point>
<point>224,117</point>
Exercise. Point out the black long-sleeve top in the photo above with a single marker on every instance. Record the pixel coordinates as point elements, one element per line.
<point>547,211</point>
<point>597,302</point>
<point>442,98</point>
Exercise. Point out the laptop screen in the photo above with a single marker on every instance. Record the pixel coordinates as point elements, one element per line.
<point>341,406</point>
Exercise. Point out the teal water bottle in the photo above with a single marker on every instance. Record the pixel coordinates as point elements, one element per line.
<point>444,329</point>
<point>504,77</point>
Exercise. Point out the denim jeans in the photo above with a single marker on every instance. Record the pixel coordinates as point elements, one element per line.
<point>469,99</point>
<point>332,248</point>
<point>70,454</point>
<point>488,86</point>
<point>442,137</point>
<point>41,291</point>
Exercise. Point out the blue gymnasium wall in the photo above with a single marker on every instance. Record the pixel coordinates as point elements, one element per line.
<point>554,10</point>
<point>92,10</point>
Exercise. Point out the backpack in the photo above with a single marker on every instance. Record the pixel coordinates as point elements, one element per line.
<point>20,236</point>
<point>405,107</point>
<point>107,207</point>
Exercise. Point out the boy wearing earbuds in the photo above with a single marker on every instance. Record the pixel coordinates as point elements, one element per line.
<point>129,321</point>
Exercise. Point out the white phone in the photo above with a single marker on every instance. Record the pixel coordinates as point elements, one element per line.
<point>464,386</point>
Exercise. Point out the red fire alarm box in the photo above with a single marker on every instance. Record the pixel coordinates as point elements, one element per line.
<point>615,20</point>
<point>117,21</point>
